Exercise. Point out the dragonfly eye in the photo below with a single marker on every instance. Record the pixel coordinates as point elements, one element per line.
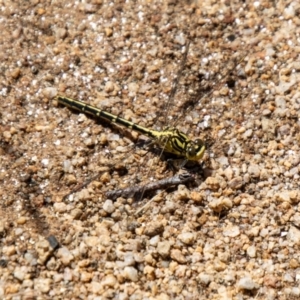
<point>191,150</point>
<point>195,150</point>
<point>199,144</point>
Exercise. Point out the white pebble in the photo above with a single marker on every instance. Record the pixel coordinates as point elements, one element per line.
<point>247,283</point>
<point>130,273</point>
<point>231,231</point>
<point>205,278</point>
<point>251,251</point>
<point>109,280</point>
<point>163,248</point>
<point>187,238</point>
<point>294,235</point>
<point>65,255</point>
<point>108,206</point>
<point>20,272</point>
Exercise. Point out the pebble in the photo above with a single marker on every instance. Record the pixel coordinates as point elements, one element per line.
<point>130,273</point>
<point>231,231</point>
<point>220,204</point>
<point>96,287</point>
<point>49,92</point>
<point>20,272</point>
<point>187,238</point>
<point>65,255</point>
<point>163,248</point>
<point>284,196</point>
<point>236,183</point>
<point>9,250</point>
<point>60,207</point>
<point>154,228</point>
<point>109,280</point>
<point>205,278</point>
<point>93,241</point>
<point>254,170</point>
<point>61,33</point>
<point>178,256</point>
<point>109,207</point>
<point>246,283</point>
<point>212,183</point>
<point>251,251</point>
<point>86,276</point>
<point>43,285</point>
<point>294,235</point>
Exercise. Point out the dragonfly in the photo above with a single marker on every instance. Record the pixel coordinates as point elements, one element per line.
<point>170,139</point>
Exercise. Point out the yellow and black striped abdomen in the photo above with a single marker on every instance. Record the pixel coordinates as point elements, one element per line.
<point>86,108</point>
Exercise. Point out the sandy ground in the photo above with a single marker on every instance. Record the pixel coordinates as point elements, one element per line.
<point>233,234</point>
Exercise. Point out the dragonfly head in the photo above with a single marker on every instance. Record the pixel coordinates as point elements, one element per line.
<point>195,150</point>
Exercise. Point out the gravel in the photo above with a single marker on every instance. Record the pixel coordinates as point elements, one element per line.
<point>231,234</point>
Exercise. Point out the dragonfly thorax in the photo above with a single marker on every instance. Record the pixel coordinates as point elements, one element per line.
<point>174,141</point>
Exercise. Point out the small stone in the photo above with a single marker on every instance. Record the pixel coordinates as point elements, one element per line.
<point>108,31</point>
<point>109,207</point>
<point>236,183</point>
<point>49,92</point>
<point>196,197</point>
<point>284,196</point>
<point>30,258</point>
<point>76,213</point>
<point>219,265</point>
<point>109,280</point>
<point>295,291</point>
<point>212,183</point>
<point>154,228</point>
<point>231,231</point>
<point>294,235</point>
<point>294,264</point>
<point>254,170</point>
<point>42,285</point>
<point>220,204</point>
<point>163,248</point>
<point>133,88</point>
<point>182,193</point>
<point>6,135</point>
<point>178,256</point>
<point>53,242</point>
<point>205,278</point>
<point>18,231</point>
<point>92,241</point>
<point>246,283</point>
<point>15,73</point>
<point>270,280</point>
<point>109,87</point>
<point>9,250</point>
<point>287,277</point>
<point>187,238</point>
<point>43,250</point>
<point>60,207</point>
<point>65,255</point>
<point>150,271</point>
<point>21,221</point>
<point>228,172</point>
<point>96,287</point>
<point>129,259</point>
<point>20,272</point>
<point>86,276</point>
<point>61,33</point>
<point>251,251</point>
<point>130,273</point>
